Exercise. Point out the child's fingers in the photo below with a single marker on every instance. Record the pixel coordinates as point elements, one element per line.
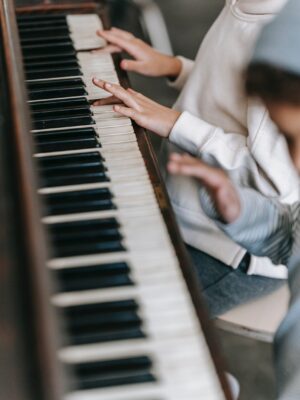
<point>121,33</point>
<point>107,101</point>
<point>141,97</point>
<point>126,111</point>
<point>186,165</point>
<point>117,91</point>
<point>132,65</point>
<point>110,49</point>
<point>130,46</point>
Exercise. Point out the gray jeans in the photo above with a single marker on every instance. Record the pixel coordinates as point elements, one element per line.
<point>223,287</point>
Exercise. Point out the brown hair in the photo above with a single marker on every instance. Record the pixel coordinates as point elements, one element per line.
<point>273,84</point>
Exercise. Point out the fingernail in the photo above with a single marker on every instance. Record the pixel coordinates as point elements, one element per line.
<point>96,80</point>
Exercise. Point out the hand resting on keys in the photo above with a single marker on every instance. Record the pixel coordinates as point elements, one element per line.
<point>220,188</point>
<point>146,60</point>
<point>145,112</point>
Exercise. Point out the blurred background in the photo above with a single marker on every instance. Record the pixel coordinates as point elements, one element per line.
<point>187,22</point>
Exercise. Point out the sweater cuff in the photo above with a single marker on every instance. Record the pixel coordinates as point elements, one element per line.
<point>191,133</point>
<point>186,69</point>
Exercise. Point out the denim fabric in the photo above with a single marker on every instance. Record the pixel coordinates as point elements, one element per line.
<point>223,287</point>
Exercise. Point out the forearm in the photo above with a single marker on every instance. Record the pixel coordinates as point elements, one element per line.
<point>230,151</point>
<point>264,228</point>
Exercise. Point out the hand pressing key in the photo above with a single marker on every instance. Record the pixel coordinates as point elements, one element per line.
<point>215,180</point>
<point>145,112</point>
<point>146,60</point>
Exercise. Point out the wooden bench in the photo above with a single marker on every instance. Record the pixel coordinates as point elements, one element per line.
<point>258,320</point>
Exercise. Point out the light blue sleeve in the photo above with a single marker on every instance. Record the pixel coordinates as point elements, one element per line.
<point>265,227</point>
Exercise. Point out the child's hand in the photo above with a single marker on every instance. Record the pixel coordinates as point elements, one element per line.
<point>215,180</point>
<point>143,111</point>
<point>147,61</point>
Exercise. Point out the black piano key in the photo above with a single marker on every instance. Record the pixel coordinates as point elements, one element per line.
<point>48,40</point>
<point>79,201</point>
<point>90,164</point>
<point>110,373</point>
<point>39,50</point>
<point>78,179</point>
<point>47,145</point>
<point>58,105</point>
<point>56,83</point>
<point>82,249</point>
<point>93,277</point>
<point>52,161</point>
<point>91,323</point>
<point>50,58</point>
<point>61,113</point>
<point>60,88</point>
<point>53,73</point>
<point>44,32</point>
<point>68,122</point>
<point>40,17</point>
<point>85,230</point>
<point>66,134</point>
<point>36,65</point>
<point>103,235</point>
<point>86,237</point>
<point>110,306</point>
<point>60,24</point>
<point>81,227</point>
<point>72,169</point>
<point>57,93</point>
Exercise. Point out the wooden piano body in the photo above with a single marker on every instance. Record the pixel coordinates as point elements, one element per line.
<point>30,329</point>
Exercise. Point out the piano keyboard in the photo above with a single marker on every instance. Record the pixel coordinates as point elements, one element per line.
<point>132,331</point>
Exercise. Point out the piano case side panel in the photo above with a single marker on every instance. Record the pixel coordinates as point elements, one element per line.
<point>35,367</point>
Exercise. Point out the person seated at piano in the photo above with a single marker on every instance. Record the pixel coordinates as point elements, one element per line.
<point>214,119</point>
<point>264,226</point>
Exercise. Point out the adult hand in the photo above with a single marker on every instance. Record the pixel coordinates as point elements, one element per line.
<point>145,112</point>
<point>215,180</point>
<point>146,60</point>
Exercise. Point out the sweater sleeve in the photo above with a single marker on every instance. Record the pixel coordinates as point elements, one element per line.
<point>246,159</point>
<point>186,69</point>
<point>265,228</point>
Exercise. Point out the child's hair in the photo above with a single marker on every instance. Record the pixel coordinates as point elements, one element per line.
<point>272,83</point>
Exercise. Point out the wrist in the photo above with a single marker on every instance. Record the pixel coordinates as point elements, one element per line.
<point>173,117</point>
<point>174,67</point>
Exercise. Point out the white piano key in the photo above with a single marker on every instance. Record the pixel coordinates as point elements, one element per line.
<point>83,29</point>
<point>154,391</point>
<point>118,139</point>
<point>167,353</point>
<point>112,131</point>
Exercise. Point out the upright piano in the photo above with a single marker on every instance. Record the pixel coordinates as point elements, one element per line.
<point>98,300</point>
